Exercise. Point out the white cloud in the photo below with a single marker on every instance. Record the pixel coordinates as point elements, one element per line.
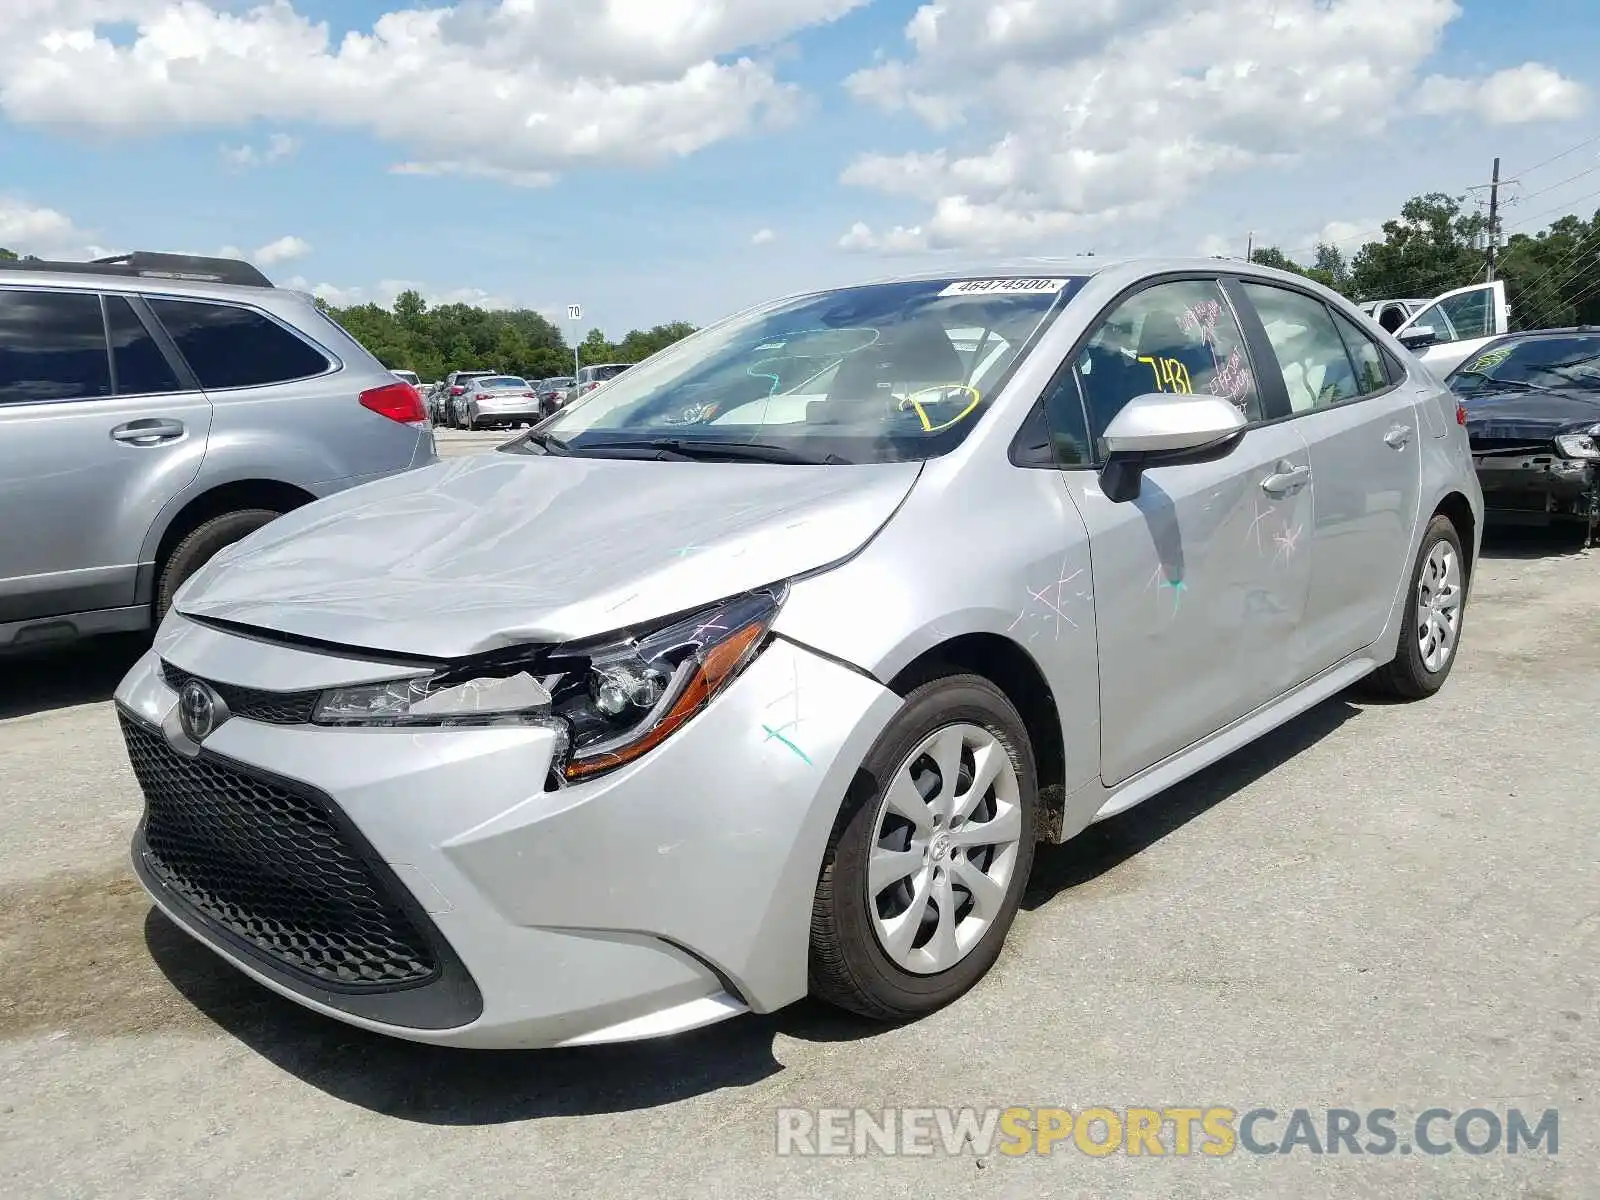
<point>44,232</point>
<point>1531,92</point>
<point>1064,119</point>
<point>762,236</point>
<point>284,249</point>
<point>507,90</point>
<point>242,158</point>
<point>476,170</point>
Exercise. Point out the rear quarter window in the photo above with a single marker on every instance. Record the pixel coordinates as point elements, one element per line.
<point>231,347</point>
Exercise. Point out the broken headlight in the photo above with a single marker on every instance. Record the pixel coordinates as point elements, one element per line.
<point>631,693</point>
<point>449,697</point>
<point>611,700</point>
<point>1583,444</point>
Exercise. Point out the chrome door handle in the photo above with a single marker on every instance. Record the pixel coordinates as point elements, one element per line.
<point>1398,436</point>
<point>148,431</point>
<point>1286,478</point>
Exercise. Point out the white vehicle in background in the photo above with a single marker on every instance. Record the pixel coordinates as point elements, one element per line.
<point>1392,314</point>
<point>410,377</point>
<point>1446,331</point>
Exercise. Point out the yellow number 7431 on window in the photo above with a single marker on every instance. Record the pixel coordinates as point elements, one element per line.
<point>1171,375</point>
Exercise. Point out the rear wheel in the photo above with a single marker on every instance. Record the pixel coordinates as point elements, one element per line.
<point>924,871</point>
<point>200,544</point>
<point>1430,631</point>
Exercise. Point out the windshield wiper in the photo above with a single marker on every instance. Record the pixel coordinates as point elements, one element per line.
<point>1508,383</point>
<point>696,448</point>
<point>548,442</point>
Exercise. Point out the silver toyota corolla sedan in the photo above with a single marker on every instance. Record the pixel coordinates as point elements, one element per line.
<point>761,670</point>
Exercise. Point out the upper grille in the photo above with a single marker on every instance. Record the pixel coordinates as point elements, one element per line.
<point>270,865</point>
<point>253,704</point>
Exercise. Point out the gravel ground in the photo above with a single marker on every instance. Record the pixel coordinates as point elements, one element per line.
<point>1378,906</point>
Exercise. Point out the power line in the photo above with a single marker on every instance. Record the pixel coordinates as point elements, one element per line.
<point>1517,178</point>
<point>1565,207</point>
<point>1563,183</point>
<point>1590,240</point>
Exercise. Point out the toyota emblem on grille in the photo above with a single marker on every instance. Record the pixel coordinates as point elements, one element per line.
<point>200,710</point>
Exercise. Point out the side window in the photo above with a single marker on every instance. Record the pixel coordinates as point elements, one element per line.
<point>1172,337</point>
<point>1469,315</point>
<point>228,347</point>
<point>52,347</point>
<point>1371,373</point>
<point>142,369</point>
<point>1306,342</point>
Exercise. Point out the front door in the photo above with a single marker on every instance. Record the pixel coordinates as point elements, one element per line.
<point>94,438</point>
<point>1363,428</point>
<point>1462,322</point>
<point>1203,578</point>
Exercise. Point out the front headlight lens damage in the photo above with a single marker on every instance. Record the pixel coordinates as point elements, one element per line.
<point>1583,444</point>
<point>611,700</point>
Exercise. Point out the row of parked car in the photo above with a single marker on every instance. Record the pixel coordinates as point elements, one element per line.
<point>482,399</point>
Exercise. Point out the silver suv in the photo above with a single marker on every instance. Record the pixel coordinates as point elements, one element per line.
<point>155,408</point>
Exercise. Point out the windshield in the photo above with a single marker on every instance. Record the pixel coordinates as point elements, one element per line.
<point>1568,362</point>
<point>881,373</point>
<point>601,374</point>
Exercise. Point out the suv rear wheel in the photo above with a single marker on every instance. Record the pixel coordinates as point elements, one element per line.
<point>200,544</point>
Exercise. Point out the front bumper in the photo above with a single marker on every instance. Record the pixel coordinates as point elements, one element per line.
<point>667,895</point>
<point>1538,482</point>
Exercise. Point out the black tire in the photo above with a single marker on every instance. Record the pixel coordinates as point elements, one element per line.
<point>848,966</point>
<point>197,548</point>
<point>1406,677</point>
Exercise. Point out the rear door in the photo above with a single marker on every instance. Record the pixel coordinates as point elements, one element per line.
<point>1360,421</point>
<point>1462,322</point>
<point>97,432</point>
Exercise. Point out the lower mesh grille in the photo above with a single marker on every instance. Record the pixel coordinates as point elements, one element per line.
<point>270,865</point>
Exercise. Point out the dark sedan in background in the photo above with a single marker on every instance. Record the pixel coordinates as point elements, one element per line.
<point>1532,405</point>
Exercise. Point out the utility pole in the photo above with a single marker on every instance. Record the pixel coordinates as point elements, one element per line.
<point>1250,246</point>
<point>1494,219</point>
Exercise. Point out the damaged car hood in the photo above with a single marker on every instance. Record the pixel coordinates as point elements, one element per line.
<point>497,549</point>
<point>1529,415</point>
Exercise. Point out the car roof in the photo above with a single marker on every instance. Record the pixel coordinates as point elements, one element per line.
<point>15,274</point>
<point>1124,269</point>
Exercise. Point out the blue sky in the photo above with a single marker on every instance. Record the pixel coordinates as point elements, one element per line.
<point>625,154</point>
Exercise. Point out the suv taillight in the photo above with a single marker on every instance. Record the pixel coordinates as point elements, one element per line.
<point>457,390</point>
<point>397,401</point>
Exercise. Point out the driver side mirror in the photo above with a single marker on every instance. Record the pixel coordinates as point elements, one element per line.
<point>1163,428</point>
<point>1419,336</point>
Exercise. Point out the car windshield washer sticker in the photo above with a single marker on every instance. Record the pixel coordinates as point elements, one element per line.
<point>200,710</point>
<point>1491,359</point>
<point>1004,287</point>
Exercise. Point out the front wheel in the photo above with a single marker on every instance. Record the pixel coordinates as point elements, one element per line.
<point>1430,631</point>
<point>924,870</point>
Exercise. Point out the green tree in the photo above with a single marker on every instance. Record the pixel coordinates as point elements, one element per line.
<point>595,348</point>
<point>1553,276</point>
<point>7,255</point>
<point>1431,248</point>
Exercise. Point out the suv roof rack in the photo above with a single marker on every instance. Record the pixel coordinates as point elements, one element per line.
<point>147,264</point>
